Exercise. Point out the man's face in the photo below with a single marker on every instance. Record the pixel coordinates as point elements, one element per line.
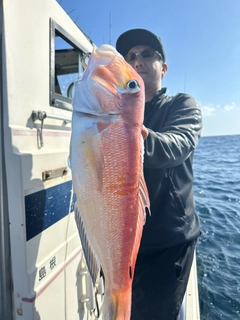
<point>151,70</point>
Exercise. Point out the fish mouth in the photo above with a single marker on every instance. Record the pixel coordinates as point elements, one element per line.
<point>100,115</point>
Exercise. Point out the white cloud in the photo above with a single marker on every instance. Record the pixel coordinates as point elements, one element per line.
<point>230,106</point>
<point>208,110</point>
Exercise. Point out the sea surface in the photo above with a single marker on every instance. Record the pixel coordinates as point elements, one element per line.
<point>217,194</point>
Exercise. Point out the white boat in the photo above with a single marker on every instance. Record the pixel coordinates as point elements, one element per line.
<point>42,270</point>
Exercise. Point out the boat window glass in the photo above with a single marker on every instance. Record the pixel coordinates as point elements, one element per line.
<point>66,66</point>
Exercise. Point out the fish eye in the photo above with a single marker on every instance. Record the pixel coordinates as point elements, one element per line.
<point>133,86</point>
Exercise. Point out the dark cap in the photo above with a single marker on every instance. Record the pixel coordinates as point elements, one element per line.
<point>136,37</point>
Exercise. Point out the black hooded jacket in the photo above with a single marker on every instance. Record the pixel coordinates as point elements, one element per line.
<point>174,125</point>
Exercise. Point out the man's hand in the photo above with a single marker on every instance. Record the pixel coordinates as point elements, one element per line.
<point>145,132</point>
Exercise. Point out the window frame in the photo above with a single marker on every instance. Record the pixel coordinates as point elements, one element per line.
<point>57,100</point>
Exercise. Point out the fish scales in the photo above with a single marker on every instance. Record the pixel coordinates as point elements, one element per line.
<point>106,162</point>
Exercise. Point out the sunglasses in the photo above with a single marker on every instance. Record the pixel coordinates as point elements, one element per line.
<point>145,54</point>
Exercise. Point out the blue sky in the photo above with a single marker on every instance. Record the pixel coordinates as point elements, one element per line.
<point>201,40</point>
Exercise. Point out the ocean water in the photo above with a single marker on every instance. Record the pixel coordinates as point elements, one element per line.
<point>217,194</point>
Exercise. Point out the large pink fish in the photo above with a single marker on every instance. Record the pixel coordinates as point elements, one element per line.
<point>107,173</point>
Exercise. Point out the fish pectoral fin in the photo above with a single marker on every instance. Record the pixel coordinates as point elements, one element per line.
<point>144,198</point>
<point>89,254</point>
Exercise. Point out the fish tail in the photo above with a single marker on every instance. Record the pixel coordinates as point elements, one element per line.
<point>117,305</point>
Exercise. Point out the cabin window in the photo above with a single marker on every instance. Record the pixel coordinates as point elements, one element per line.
<point>67,65</point>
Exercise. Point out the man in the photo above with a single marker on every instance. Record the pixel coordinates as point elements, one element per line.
<point>172,126</point>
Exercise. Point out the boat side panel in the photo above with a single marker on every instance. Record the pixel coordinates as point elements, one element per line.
<point>45,246</point>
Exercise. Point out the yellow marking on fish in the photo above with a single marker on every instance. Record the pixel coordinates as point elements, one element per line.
<point>118,299</point>
<point>121,192</point>
<point>122,188</point>
<point>120,178</point>
<point>90,156</point>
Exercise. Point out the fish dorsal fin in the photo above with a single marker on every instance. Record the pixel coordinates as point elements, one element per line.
<point>90,257</point>
<point>144,203</point>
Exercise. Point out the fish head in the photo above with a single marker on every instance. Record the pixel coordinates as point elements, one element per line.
<point>109,85</point>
